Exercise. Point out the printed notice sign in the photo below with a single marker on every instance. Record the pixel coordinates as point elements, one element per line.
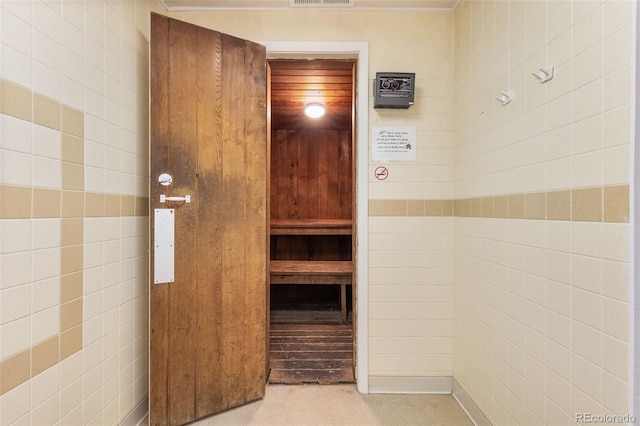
<point>394,144</point>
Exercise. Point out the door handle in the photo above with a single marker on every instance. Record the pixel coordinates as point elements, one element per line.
<point>186,198</point>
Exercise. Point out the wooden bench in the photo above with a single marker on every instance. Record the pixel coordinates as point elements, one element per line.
<point>311,227</point>
<point>335,272</point>
<point>330,272</point>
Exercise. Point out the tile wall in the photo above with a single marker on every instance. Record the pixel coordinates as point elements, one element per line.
<point>73,211</point>
<point>542,285</point>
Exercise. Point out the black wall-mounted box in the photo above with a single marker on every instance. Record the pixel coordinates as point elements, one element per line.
<point>394,89</point>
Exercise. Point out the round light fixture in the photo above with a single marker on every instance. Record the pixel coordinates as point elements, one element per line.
<point>314,110</point>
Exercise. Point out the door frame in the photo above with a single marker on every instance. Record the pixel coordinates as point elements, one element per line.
<point>360,52</point>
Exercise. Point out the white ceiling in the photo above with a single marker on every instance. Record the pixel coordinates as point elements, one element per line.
<point>177,5</point>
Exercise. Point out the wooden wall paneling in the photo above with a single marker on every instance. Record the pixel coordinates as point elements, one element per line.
<point>313,181</point>
<point>303,198</point>
<point>291,167</point>
<point>345,175</point>
<point>323,175</point>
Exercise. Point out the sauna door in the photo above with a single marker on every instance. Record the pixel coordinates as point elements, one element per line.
<point>208,132</point>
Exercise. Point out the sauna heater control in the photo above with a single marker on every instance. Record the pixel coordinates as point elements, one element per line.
<point>394,90</point>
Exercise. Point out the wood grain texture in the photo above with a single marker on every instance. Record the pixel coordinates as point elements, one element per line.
<point>311,174</point>
<point>311,353</point>
<point>208,328</point>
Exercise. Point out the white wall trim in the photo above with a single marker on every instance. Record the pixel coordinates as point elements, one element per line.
<point>634,273</point>
<point>407,385</point>
<point>360,51</point>
<point>138,414</point>
<point>464,400</point>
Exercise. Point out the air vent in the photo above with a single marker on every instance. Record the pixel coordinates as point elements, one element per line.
<point>321,3</point>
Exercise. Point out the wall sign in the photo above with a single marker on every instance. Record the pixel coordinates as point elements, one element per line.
<point>381,173</point>
<point>394,144</point>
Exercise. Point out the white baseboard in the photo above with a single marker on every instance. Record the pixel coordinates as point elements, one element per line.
<point>138,415</point>
<point>469,407</point>
<point>433,385</point>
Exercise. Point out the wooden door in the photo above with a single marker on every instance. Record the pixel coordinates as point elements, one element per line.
<point>208,131</point>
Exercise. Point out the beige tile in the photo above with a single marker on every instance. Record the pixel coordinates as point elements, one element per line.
<point>71,286</point>
<point>72,121</point>
<point>72,231</point>
<point>586,204</point>
<point>72,176</point>
<point>535,205</point>
<point>72,149</point>
<point>142,206</point>
<point>46,112</point>
<point>94,205</point>
<point>46,203</point>
<point>112,205</point>
<point>559,205</point>
<point>416,207</point>
<point>128,205</point>
<point>72,204</point>
<point>15,100</point>
<point>476,207</point>
<point>462,208</point>
<point>447,208</point>
<point>72,259</point>
<point>14,371</point>
<point>70,314</point>
<point>516,206</point>
<point>15,202</point>
<point>45,355</point>
<point>433,208</point>
<point>376,207</point>
<point>501,206</point>
<point>616,203</point>
<point>397,208</point>
<point>70,342</point>
<point>487,207</point>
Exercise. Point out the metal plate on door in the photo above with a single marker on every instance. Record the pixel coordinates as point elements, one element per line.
<point>163,250</point>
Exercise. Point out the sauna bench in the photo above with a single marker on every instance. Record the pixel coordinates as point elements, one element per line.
<point>331,272</point>
<point>311,226</point>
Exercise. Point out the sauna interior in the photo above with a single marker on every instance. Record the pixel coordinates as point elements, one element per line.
<point>312,283</point>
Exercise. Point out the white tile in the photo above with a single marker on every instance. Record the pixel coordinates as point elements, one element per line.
<point>15,404</point>
<point>16,134</point>
<point>16,303</point>
<point>16,235</point>
<point>44,386</point>
<point>16,66</point>
<point>16,33</point>
<point>47,20</point>
<point>45,324</point>
<point>47,81</point>
<point>45,294</point>
<point>47,51</point>
<point>15,269</point>
<point>15,168</point>
<point>46,263</point>
<point>47,142</point>
<point>15,336</point>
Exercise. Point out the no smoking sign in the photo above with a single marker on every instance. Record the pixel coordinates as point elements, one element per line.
<point>381,173</point>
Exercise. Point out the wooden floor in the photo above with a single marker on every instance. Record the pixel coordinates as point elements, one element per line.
<point>310,347</point>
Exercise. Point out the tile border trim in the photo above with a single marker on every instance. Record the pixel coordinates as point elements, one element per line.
<point>609,204</point>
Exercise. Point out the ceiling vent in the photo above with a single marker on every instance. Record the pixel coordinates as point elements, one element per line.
<point>321,3</point>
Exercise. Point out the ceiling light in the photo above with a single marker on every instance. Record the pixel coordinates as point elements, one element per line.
<point>314,110</point>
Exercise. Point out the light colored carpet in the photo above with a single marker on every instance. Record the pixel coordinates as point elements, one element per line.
<point>341,405</point>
